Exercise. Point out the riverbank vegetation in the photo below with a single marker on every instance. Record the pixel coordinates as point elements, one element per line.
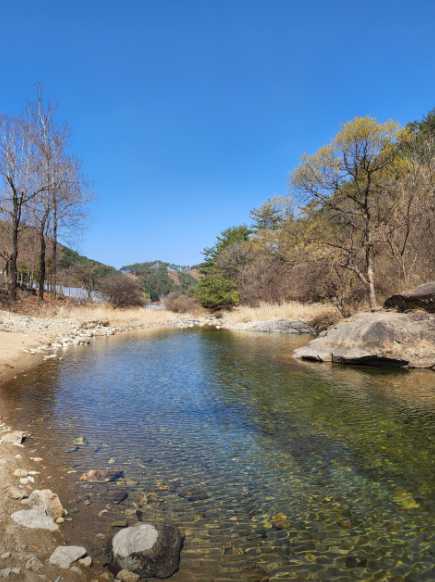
<point>363,230</point>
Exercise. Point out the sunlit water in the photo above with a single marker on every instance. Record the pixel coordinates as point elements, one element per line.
<point>273,469</point>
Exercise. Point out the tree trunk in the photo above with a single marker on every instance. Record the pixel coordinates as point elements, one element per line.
<point>12,274</point>
<point>42,256</point>
<point>371,281</point>
<point>41,277</point>
<point>54,248</point>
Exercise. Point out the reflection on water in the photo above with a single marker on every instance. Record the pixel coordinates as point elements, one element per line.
<point>274,469</point>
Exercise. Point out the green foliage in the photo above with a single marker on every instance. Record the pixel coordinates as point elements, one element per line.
<point>70,260</point>
<point>215,291</point>
<point>272,214</point>
<point>228,238</point>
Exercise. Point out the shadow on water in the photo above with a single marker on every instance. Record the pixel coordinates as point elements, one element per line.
<point>273,468</point>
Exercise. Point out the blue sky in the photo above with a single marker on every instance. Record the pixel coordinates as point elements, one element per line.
<point>188,113</point>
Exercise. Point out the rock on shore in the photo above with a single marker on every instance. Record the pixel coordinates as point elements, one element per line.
<point>422,297</point>
<point>282,326</point>
<point>403,339</point>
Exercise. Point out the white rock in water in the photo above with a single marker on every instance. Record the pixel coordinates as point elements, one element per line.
<point>65,556</point>
<point>132,540</point>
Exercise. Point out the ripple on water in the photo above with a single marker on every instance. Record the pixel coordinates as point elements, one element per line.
<point>273,469</point>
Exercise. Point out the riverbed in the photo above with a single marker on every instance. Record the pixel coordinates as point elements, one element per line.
<point>273,469</point>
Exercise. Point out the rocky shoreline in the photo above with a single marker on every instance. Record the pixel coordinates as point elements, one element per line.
<point>389,338</point>
<point>33,547</point>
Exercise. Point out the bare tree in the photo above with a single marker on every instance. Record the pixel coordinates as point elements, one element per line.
<point>61,202</point>
<point>345,181</point>
<point>21,183</point>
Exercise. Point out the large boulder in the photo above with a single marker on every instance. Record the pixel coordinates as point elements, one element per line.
<point>422,297</point>
<point>147,550</point>
<point>283,326</point>
<point>384,337</point>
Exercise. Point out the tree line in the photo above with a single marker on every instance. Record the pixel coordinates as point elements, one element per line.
<point>42,191</point>
<point>364,227</point>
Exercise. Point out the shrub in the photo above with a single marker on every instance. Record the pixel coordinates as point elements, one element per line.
<point>180,303</point>
<point>122,291</point>
<point>216,292</point>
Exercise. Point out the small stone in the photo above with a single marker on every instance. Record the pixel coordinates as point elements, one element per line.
<point>60,520</point>
<point>86,562</point>
<point>15,438</point>
<point>5,556</point>
<point>80,440</point>
<point>279,521</point>
<point>49,501</point>
<point>17,493</point>
<point>95,476</point>
<point>127,576</point>
<point>21,473</point>
<point>6,572</point>
<point>119,497</point>
<point>34,565</point>
<point>65,556</point>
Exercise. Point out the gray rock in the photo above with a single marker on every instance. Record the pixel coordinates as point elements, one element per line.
<point>34,518</point>
<point>422,297</point>
<point>65,556</point>
<point>48,501</point>
<point>383,337</point>
<point>148,550</point>
<point>282,326</point>
<point>86,562</point>
<point>45,509</point>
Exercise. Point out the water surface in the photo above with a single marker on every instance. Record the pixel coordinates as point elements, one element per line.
<point>273,469</point>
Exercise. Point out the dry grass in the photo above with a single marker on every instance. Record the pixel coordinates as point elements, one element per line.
<point>308,312</point>
<point>151,317</point>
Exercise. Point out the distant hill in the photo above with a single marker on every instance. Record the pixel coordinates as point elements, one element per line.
<point>160,278</point>
<point>70,259</point>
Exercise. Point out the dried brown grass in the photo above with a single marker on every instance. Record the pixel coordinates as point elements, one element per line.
<point>293,310</point>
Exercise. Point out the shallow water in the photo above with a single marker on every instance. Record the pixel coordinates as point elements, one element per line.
<point>225,432</point>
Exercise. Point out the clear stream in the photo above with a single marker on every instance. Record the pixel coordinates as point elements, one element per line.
<point>274,469</point>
